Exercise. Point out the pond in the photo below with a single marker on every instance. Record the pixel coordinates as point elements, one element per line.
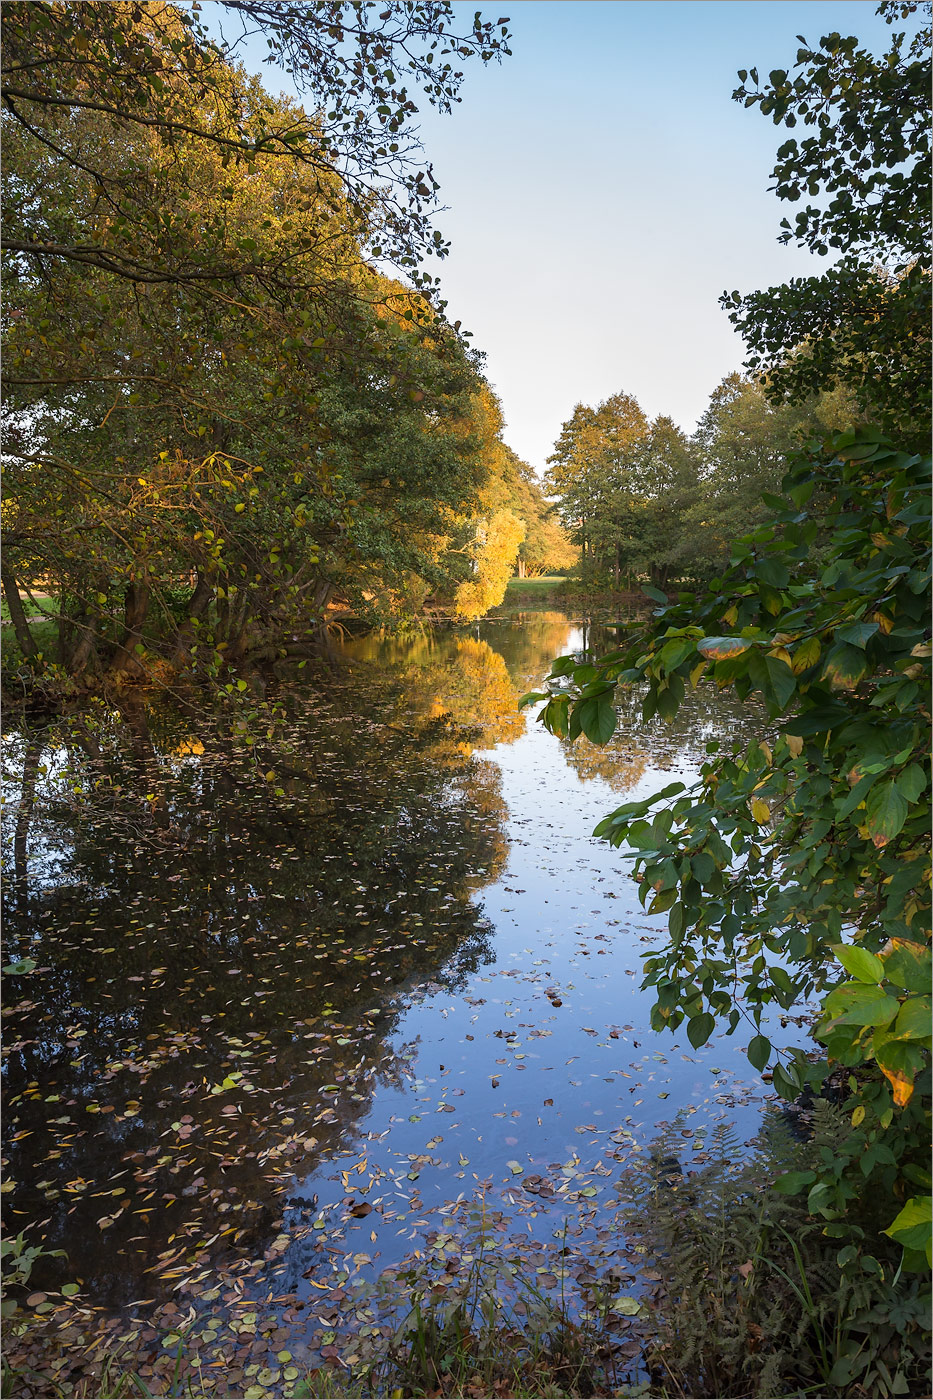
<point>297,1009</point>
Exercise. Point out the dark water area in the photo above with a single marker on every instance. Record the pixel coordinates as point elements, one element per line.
<point>298,1006</point>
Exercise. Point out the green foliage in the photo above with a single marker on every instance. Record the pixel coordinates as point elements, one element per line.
<point>625,486</point>
<point>807,852</point>
<point>865,323</point>
<point>753,1297</point>
<point>644,502</point>
<point>742,442</point>
<point>152,68</point>
<point>219,416</point>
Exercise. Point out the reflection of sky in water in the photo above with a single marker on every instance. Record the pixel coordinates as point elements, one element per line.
<point>509,1048</point>
<point>501,1074</point>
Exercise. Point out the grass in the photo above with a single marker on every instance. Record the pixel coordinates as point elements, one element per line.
<point>535,587</point>
<point>31,609</point>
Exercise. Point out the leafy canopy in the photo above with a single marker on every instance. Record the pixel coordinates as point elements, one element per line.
<point>864,168</point>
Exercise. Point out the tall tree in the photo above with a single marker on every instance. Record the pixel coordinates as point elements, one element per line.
<point>742,442</point>
<point>865,323</point>
<point>594,470</point>
<point>250,447</point>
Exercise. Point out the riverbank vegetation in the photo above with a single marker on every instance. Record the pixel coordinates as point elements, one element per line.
<point>235,408</point>
<point>798,868</point>
<point>222,417</point>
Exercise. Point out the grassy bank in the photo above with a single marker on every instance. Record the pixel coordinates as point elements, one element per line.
<point>543,587</point>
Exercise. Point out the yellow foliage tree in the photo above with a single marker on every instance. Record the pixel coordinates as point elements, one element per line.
<point>498,538</point>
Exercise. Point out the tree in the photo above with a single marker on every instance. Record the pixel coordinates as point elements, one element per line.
<point>546,546</point>
<point>865,322</point>
<point>594,468</point>
<point>214,457</point>
<point>742,443</point>
<point>144,66</point>
<point>625,486</point>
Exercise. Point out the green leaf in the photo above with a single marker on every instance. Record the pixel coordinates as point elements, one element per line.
<point>855,1004</point>
<point>772,571</point>
<point>759,1051</point>
<point>597,718</point>
<point>908,965</point>
<point>845,666</point>
<point>793,1182</point>
<point>859,963</point>
<point>911,1226</point>
<point>530,697</point>
<point>886,812</point>
<point>783,681</point>
<point>625,1305</point>
<point>857,633</point>
<point>654,594</point>
<point>21,966</point>
<point>914,1020</point>
<point>912,782</point>
<point>700,1028</point>
<point>786,1082</point>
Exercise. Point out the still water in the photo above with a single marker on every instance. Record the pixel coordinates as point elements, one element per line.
<point>298,1007</point>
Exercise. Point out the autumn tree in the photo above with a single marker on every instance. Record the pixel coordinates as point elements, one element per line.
<point>218,413</point>
<point>625,485</point>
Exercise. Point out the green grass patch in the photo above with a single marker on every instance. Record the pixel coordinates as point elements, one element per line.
<point>45,636</point>
<point>45,605</point>
<point>547,583</point>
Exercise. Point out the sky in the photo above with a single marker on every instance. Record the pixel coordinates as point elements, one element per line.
<point>602,190</point>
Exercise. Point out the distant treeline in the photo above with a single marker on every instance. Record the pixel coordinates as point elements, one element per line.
<point>642,500</point>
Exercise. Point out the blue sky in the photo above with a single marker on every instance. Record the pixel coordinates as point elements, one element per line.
<point>603,189</point>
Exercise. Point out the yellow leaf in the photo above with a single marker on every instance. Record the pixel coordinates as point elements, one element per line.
<point>858,1115</point>
<point>760,810</point>
<point>795,744</point>
<point>766,750</point>
<point>901,1084</point>
<point>807,654</point>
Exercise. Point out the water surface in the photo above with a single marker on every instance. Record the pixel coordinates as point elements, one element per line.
<point>299,1006</point>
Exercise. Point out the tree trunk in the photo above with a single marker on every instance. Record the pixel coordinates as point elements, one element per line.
<point>135,608</point>
<point>27,644</point>
<point>200,601</point>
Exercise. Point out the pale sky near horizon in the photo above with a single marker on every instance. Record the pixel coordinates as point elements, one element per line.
<point>603,190</point>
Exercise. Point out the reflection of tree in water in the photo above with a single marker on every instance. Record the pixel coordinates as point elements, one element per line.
<point>217,960</point>
<point>617,763</point>
<point>449,673</point>
<point>704,716</point>
<point>528,642</point>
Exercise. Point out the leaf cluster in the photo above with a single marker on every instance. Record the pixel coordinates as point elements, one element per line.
<point>813,840</point>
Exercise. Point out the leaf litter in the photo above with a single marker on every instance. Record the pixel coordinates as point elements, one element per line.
<point>207,1060</point>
